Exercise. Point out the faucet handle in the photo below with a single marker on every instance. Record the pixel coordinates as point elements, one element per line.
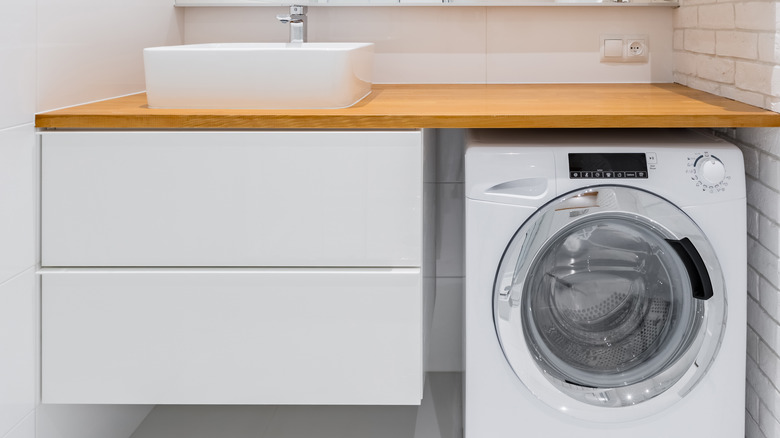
<point>296,15</point>
<point>298,10</point>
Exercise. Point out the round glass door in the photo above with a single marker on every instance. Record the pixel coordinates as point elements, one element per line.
<point>611,292</point>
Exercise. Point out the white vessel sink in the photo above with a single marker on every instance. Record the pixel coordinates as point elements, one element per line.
<point>258,75</point>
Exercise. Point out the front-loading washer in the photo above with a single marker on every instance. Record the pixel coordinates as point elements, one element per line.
<point>605,284</point>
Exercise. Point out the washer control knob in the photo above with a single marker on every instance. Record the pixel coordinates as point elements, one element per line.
<point>710,170</point>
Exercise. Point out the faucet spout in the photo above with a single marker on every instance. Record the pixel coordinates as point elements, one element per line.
<point>297,21</point>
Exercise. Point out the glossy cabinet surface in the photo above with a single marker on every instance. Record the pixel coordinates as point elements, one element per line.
<point>231,199</point>
<point>327,336</point>
<point>233,267</point>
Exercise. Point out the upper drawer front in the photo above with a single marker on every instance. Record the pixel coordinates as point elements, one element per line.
<point>232,198</point>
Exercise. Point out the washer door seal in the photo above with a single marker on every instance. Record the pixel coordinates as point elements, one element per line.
<point>609,296</point>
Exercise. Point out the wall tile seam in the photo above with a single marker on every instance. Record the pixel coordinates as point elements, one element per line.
<point>761,153</point>
<point>758,179</point>
<point>763,371</point>
<point>776,357</point>
<point>762,277</point>
<point>761,214</point>
<point>742,144</point>
<point>19,423</point>
<point>733,83</point>
<point>31,124</point>
<point>757,429</point>
<point>752,330</point>
<point>761,400</point>
<point>772,415</point>
<point>752,334</point>
<point>727,58</point>
<point>24,271</point>
<point>713,81</point>
<point>765,316</point>
<point>771,222</point>
<point>749,385</point>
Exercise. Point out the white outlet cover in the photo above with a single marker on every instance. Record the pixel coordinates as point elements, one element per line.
<point>617,48</point>
<point>637,48</point>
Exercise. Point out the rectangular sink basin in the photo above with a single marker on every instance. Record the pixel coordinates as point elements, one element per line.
<point>258,75</point>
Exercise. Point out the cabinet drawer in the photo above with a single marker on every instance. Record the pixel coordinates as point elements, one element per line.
<point>252,336</point>
<point>254,199</point>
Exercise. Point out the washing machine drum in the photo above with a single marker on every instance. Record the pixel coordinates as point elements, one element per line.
<point>614,294</point>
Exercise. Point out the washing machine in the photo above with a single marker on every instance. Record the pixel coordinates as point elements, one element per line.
<point>605,285</point>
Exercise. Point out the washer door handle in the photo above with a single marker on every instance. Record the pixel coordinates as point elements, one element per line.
<point>701,285</point>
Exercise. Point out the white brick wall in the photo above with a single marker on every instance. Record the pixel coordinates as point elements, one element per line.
<point>756,15</point>
<point>761,148</point>
<point>736,44</point>
<point>730,48</point>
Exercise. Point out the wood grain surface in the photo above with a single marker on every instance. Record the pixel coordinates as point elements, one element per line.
<point>447,106</point>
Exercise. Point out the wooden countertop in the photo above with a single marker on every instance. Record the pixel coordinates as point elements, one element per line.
<point>448,106</point>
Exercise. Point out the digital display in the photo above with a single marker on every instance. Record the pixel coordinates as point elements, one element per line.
<point>607,165</point>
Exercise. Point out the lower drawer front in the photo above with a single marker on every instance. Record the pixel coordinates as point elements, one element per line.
<point>327,336</point>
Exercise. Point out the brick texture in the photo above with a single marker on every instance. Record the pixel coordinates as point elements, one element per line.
<point>730,48</point>
<point>761,149</point>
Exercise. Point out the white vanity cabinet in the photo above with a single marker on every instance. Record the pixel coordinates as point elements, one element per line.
<point>233,267</point>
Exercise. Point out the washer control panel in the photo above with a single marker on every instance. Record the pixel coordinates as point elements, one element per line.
<point>608,165</point>
<point>708,172</point>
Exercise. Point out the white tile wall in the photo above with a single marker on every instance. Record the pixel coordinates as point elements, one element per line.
<point>761,148</point>
<point>18,319</point>
<point>420,45</point>
<point>540,45</point>
<point>17,62</point>
<point>17,224</point>
<point>18,191</point>
<point>92,49</point>
<point>467,44</point>
<point>446,334</point>
<point>25,429</point>
<point>450,232</point>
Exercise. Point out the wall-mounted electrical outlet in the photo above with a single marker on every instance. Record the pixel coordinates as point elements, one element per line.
<point>624,48</point>
<point>636,48</point>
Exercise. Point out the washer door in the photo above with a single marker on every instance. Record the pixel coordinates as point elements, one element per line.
<point>609,297</point>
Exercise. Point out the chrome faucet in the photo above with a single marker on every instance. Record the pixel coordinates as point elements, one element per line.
<point>297,21</point>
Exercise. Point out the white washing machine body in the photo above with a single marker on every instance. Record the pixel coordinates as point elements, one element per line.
<point>605,284</point>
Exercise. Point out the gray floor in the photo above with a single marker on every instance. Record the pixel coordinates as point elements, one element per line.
<point>439,416</point>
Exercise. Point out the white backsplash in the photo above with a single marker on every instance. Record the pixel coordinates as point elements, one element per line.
<point>465,44</point>
<point>92,49</point>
